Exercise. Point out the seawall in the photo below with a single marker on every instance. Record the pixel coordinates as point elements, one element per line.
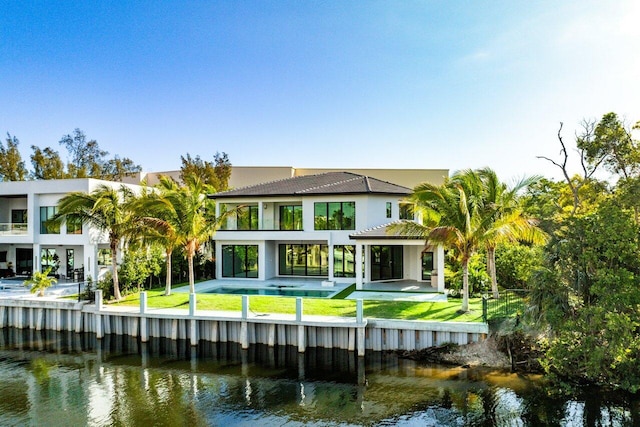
<point>246,328</point>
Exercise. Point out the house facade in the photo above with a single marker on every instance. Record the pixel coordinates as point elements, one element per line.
<point>28,243</point>
<point>331,226</point>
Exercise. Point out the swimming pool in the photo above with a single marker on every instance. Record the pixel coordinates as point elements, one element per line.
<point>287,292</point>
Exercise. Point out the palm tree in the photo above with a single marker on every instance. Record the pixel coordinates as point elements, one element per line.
<point>181,216</point>
<point>161,220</point>
<point>40,281</point>
<point>451,217</point>
<point>504,219</point>
<point>108,210</point>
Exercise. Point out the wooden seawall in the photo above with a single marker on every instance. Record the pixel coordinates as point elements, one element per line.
<point>299,330</point>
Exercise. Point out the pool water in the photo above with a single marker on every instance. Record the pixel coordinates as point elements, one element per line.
<point>287,292</point>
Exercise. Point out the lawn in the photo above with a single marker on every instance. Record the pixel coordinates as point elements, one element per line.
<point>400,310</point>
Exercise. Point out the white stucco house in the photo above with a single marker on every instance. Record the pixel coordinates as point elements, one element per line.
<point>27,244</point>
<point>331,226</point>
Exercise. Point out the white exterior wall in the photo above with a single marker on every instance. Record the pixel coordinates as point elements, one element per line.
<point>48,193</point>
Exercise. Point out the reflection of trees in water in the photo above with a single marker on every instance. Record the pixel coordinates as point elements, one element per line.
<point>120,381</point>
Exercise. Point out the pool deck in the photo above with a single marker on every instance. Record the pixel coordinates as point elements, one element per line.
<point>404,290</point>
<point>13,288</point>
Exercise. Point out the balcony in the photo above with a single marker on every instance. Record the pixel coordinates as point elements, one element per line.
<point>13,229</point>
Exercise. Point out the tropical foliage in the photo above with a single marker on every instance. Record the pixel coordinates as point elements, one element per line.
<point>108,210</point>
<point>39,281</point>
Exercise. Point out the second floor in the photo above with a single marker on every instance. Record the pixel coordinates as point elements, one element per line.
<point>328,202</point>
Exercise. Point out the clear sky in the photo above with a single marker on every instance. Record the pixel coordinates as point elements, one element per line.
<point>367,84</point>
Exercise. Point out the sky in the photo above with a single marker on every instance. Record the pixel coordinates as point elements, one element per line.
<point>319,84</point>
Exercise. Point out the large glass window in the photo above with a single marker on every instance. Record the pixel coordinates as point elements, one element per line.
<point>247,218</point>
<point>49,258</point>
<point>386,262</point>
<point>240,261</point>
<point>303,260</point>
<point>344,257</point>
<point>104,257</point>
<point>335,216</point>
<point>46,213</point>
<point>427,265</point>
<point>291,217</point>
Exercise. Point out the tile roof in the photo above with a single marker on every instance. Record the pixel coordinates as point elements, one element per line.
<point>382,232</point>
<point>326,183</point>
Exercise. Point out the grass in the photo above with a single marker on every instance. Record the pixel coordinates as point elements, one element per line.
<point>399,310</point>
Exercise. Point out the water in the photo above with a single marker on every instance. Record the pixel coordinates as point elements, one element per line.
<point>50,379</point>
<point>273,291</point>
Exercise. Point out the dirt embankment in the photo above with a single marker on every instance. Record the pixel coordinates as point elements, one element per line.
<point>507,349</point>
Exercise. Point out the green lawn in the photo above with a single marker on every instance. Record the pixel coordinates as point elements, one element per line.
<point>401,310</point>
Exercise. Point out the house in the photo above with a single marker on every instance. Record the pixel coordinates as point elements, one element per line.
<point>28,242</point>
<point>331,226</point>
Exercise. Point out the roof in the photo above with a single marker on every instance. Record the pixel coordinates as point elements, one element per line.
<point>382,232</point>
<point>320,184</point>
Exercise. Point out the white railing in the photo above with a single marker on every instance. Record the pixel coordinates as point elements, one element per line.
<point>13,229</point>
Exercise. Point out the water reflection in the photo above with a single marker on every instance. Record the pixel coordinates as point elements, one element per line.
<point>49,378</point>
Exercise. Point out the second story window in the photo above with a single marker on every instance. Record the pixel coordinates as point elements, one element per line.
<point>291,217</point>
<point>74,226</point>
<point>406,211</point>
<point>388,209</point>
<point>335,216</point>
<point>46,213</point>
<point>247,218</point>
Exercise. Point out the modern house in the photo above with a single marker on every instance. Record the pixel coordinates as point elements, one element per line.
<point>331,226</point>
<point>28,242</point>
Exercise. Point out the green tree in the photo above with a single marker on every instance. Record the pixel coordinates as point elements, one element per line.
<point>47,164</point>
<point>503,217</point>
<point>589,294</point>
<point>215,174</point>
<point>452,217</point>
<point>12,167</point>
<point>107,209</point>
<point>40,281</point>
<point>87,158</point>
<point>181,216</point>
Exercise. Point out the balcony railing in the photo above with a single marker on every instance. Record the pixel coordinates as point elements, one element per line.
<point>13,229</point>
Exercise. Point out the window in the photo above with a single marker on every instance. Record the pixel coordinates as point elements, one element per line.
<point>46,213</point>
<point>406,211</point>
<point>49,259</point>
<point>104,256</point>
<point>70,261</point>
<point>427,265</point>
<point>247,218</point>
<point>240,261</point>
<point>74,226</point>
<point>386,262</point>
<point>388,209</point>
<point>304,260</point>
<point>344,261</point>
<point>335,216</point>
<point>291,217</point>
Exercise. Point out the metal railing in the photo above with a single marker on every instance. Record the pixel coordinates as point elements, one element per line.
<point>510,303</point>
<point>86,291</point>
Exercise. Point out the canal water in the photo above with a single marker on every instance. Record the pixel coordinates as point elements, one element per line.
<point>66,379</point>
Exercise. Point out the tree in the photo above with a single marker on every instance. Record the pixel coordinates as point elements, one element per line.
<point>12,167</point>
<point>108,210</point>
<point>87,158</point>
<point>40,281</point>
<point>158,214</point>
<point>451,217</point>
<point>503,217</point>
<point>215,174</point>
<point>47,164</point>
<point>185,216</point>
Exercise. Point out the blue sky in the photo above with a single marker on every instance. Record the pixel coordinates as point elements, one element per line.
<point>368,84</point>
